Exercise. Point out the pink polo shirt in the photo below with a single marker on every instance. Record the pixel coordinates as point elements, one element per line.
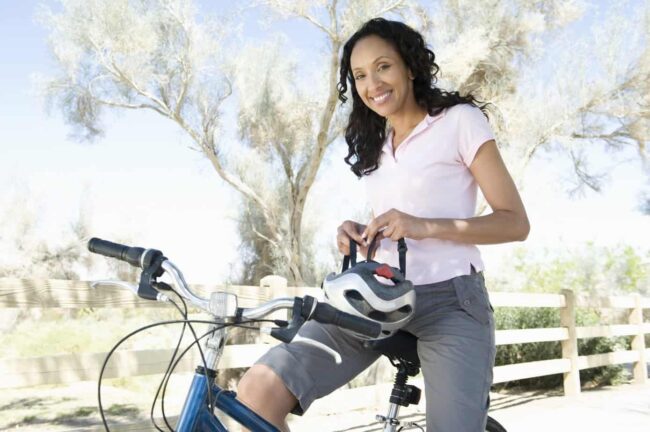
<point>428,176</point>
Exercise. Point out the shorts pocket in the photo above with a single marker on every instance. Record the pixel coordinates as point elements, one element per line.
<point>485,292</point>
<point>472,297</point>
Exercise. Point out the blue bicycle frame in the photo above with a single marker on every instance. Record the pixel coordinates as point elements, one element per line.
<point>196,415</point>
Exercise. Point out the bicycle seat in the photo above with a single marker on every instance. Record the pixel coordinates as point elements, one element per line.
<point>401,347</point>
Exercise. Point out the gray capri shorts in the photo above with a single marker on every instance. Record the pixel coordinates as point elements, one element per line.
<point>454,324</point>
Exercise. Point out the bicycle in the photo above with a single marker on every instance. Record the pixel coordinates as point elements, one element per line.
<point>204,395</point>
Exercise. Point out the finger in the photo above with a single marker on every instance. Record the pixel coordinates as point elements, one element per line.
<point>380,228</point>
<point>355,235</point>
<point>353,231</point>
<point>359,227</point>
<point>393,232</point>
<point>378,238</point>
<point>371,230</point>
<point>344,247</point>
<point>387,233</point>
<point>363,250</point>
<point>342,237</point>
<point>345,233</point>
<point>371,227</point>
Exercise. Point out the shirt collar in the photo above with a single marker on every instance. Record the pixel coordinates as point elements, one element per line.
<point>421,127</point>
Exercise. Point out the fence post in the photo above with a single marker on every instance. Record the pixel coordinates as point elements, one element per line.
<point>275,285</point>
<point>638,342</point>
<point>570,346</point>
<point>273,282</point>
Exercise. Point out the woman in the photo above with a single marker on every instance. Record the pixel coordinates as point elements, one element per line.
<point>422,152</point>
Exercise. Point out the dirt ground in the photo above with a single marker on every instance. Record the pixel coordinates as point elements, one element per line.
<point>624,408</point>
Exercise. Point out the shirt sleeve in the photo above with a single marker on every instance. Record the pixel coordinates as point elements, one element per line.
<point>473,131</point>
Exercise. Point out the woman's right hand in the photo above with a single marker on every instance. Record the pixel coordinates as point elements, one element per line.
<point>347,231</point>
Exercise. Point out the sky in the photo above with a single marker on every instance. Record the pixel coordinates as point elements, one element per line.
<point>141,183</point>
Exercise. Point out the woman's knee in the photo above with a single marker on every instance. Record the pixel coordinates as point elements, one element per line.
<point>264,391</point>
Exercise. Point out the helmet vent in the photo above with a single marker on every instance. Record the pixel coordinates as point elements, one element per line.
<point>357,301</point>
<point>353,295</point>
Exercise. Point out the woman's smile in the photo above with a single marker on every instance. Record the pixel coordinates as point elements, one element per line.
<point>381,98</point>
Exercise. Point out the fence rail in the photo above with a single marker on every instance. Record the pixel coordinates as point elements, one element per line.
<point>67,368</point>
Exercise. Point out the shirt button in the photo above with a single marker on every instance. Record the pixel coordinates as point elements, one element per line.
<point>467,302</point>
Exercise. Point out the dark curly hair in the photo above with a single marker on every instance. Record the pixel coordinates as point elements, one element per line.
<point>366,130</point>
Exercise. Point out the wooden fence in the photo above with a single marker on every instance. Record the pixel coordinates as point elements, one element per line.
<point>67,368</point>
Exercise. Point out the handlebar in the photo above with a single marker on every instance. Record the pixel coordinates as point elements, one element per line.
<point>131,255</point>
<point>136,256</point>
<point>222,305</point>
<point>328,314</point>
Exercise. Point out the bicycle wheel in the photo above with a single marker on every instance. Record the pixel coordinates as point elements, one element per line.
<point>494,426</point>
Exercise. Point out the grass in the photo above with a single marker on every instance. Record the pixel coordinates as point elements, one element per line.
<point>90,331</point>
<point>30,419</point>
<point>46,332</point>
<point>75,414</point>
<point>122,410</point>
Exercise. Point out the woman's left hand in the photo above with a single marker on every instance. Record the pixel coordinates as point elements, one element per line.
<point>394,225</point>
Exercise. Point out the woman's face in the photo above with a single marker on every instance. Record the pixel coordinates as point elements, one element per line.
<point>380,76</point>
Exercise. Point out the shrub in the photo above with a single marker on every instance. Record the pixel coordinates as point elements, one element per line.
<point>587,270</point>
<point>523,318</point>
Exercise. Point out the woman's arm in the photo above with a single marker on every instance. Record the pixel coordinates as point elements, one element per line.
<point>507,222</point>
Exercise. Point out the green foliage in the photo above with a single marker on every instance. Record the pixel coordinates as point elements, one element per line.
<point>588,270</point>
<point>75,414</point>
<point>523,318</point>
<point>29,419</point>
<point>56,332</point>
<point>629,270</point>
<point>122,410</point>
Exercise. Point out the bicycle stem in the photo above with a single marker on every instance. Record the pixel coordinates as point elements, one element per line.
<point>223,307</point>
<point>204,304</point>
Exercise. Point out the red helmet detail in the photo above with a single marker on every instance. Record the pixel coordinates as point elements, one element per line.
<point>384,271</point>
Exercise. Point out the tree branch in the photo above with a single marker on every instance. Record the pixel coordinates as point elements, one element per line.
<point>390,7</point>
<point>307,172</point>
<point>115,104</point>
<point>262,236</point>
<point>121,75</point>
<point>318,25</point>
<point>185,73</point>
<point>128,106</point>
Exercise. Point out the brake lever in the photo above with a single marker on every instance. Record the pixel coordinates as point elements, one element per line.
<point>115,283</point>
<point>125,285</point>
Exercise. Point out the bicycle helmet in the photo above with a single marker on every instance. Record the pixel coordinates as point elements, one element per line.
<point>359,292</point>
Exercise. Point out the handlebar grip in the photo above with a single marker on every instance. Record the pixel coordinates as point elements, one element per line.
<point>327,314</point>
<point>131,255</point>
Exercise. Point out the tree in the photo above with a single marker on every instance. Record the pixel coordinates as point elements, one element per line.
<point>29,251</point>
<point>153,54</point>
<point>156,55</point>
<point>644,201</point>
<point>26,254</point>
<point>289,125</point>
<point>594,88</point>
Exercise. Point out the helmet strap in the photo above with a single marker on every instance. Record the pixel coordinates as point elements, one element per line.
<point>352,257</point>
<point>401,248</point>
